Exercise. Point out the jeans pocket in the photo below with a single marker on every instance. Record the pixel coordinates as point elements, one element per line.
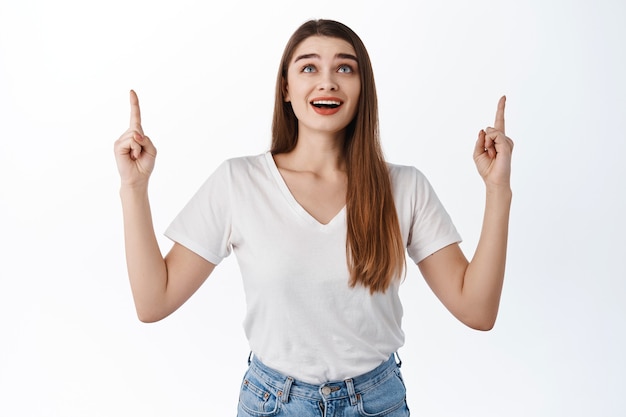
<point>257,399</point>
<point>385,399</point>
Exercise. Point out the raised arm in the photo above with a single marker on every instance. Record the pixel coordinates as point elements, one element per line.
<point>471,290</point>
<point>159,285</point>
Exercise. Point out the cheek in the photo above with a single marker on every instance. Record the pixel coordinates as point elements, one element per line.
<point>353,89</point>
<point>357,90</point>
<point>356,94</point>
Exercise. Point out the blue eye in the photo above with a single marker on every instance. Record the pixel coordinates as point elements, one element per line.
<point>345,69</point>
<point>308,68</point>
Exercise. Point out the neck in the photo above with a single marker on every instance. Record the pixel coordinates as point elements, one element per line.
<point>316,152</point>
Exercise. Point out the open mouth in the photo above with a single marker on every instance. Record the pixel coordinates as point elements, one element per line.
<point>326,104</point>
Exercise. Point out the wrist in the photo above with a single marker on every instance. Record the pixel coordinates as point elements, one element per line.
<point>499,191</point>
<point>133,189</point>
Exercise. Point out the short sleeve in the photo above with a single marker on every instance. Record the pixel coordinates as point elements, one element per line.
<point>431,227</point>
<point>204,224</point>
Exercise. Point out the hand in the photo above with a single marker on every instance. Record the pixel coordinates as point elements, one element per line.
<point>493,150</point>
<point>134,152</point>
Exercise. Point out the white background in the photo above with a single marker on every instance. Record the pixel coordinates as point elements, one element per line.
<point>70,343</point>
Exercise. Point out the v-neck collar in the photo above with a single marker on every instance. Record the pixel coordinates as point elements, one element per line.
<point>338,219</point>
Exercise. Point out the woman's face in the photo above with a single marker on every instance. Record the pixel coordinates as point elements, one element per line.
<point>323,85</point>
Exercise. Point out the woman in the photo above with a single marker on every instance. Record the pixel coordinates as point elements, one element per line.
<point>320,225</point>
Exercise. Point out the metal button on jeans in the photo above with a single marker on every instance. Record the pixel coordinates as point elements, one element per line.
<point>326,390</point>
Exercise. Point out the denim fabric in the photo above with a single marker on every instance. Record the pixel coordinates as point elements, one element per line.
<point>380,392</point>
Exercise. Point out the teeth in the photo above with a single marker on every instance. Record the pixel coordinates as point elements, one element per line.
<point>326,103</point>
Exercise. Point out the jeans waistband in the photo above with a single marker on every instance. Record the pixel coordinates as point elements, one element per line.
<point>351,388</point>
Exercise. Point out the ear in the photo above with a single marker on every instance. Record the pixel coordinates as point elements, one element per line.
<point>287,99</point>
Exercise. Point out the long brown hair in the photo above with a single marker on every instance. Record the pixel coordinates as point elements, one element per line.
<point>374,246</point>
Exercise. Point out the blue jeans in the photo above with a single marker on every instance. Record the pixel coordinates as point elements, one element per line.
<point>266,392</point>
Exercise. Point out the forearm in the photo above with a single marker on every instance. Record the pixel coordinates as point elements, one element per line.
<point>146,267</point>
<point>484,276</point>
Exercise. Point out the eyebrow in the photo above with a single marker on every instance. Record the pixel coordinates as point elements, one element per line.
<point>340,55</point>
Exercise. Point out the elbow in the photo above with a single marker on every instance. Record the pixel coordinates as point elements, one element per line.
<point>150,310</point>
<point>478,316</point>
<point>147,319</point>
<point>147,316</point>
<point>482,323</point>
<point>483,326</point>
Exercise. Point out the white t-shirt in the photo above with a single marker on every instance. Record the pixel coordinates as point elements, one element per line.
<point>303,319</point>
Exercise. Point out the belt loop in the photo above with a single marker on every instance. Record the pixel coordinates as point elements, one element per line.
<point>351,392</point>
<point>287,389</point>
<point>398,360</point>
<point>250,358</point>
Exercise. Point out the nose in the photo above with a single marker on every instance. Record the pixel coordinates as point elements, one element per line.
<point>328,82</point>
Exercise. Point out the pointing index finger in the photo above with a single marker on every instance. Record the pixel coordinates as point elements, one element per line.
<point>499,123</point>
<point>135,113</point>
